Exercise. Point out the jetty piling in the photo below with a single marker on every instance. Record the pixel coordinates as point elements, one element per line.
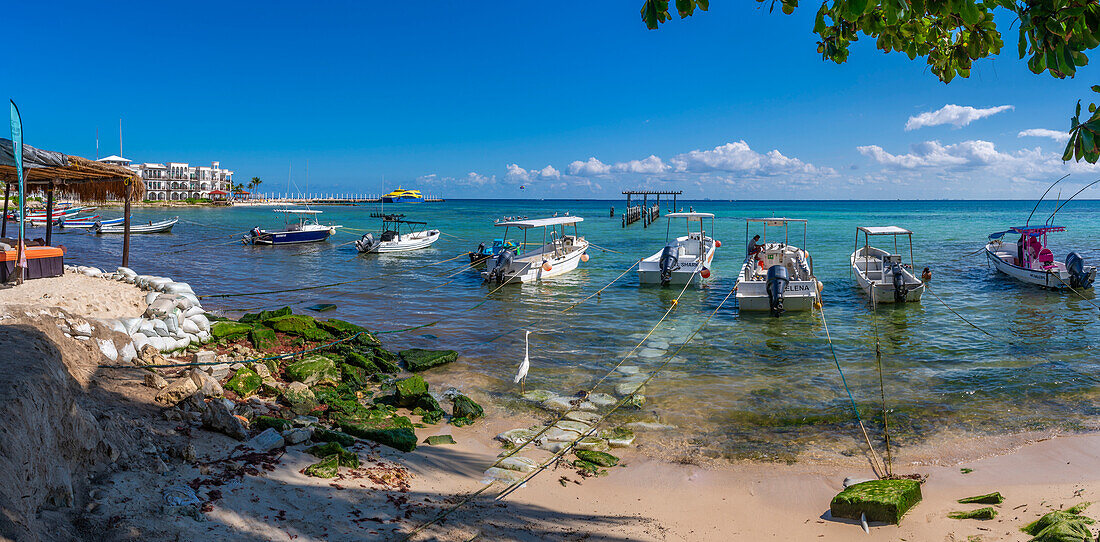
<point>645,212</point>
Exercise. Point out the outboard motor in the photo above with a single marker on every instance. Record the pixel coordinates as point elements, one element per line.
<point>365,243</point>
<point>670,261</point>
<point>901,289</point>
<point>778,278</point>
<point>1079,277</point>
<point>502,263</point>
<point>480,249</point>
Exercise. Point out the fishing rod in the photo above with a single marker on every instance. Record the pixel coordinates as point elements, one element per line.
<point>1041,199</point>
<point>1059,208</point>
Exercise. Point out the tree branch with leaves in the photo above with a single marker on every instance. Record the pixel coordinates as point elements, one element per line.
<point>1054,36</point>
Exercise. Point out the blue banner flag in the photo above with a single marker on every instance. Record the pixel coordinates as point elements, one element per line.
<point>17,157</point>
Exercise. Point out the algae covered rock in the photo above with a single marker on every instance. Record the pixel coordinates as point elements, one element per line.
<point>263,339</point>
<point>602,459</point>
<point>1071,521</point>
<point>356,359</point>
<point>538,396</point>
<point>982,513</point>
<point>245,383</point>
<point>229,330</point>
<point>316,334</point>
<point>339,328</point>
<point>620,437</point>
<point>385,360</point>
<point>395,432</point>
<point>437,440</point>
<point>328,435</point>
<point>294,324</point>
<point>300,397</point>
<point>991,498</point>
<point>419,359</point>
<point>428,409</point>
<point>325,468</point>
<point>345,458</point>
<point>409,390</point>
<point>351,374</point>
<point>265,315</point>
<point>265,422</point>
<point>592,444</point>
<point>465,411</point>
<point>313,370</point>
<point>881,500</point>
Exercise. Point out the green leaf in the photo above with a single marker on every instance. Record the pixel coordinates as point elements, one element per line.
<point>1068,154</point>
<point>1088,143</point>
<point>685,7</point>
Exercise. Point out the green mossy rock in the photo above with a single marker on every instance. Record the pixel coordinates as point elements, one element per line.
<point>1053,518</point>
<point>325,468</point>
<point>353,375</point>
<point>419,359</point>
<point>602,459</point>
<point>346,458</point>
<point>428,409</point>
<point>352,357</point>
<point>366,340</point>
<point>300,398</point>
<point>395,432</point>
<point>340,328</point>
<point>266,315</point>
<point>619,437</point>
<point>245,383</point>
<point>291,324</point>
<point>436,440</point>
<point>342,401</point>
<point>991,498</point>
<point>982,513</point>
<point>590,468</point>
<point>263,422</point>
<point>385,360</point>
<point>228,329</point>
<point>465,411</point>
<point>316,334</point>
<point>881,500</point>
<point>409,390</point>
<point>313,370</point>
<point>328,435</point>
<point>263,339</point>
<point>1071,530</point>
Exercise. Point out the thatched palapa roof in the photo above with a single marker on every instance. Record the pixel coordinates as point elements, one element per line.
<point>86,179</point>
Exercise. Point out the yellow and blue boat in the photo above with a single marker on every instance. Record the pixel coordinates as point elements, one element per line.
<point>403,196</point>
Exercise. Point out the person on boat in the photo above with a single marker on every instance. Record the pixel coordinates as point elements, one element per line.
<point>752,248</point>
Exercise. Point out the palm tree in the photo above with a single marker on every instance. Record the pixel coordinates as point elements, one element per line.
<point>254,183</point>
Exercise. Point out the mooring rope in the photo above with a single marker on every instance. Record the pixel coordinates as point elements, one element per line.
<point>875,460</point>
<point>591,244</point>
<point>514,451</point>
<point>944,303</point>
<point>881,387</point>
<point>597,292</point>
<point>1079,294</point>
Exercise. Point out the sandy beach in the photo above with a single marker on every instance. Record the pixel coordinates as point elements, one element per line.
<point>133,457</point>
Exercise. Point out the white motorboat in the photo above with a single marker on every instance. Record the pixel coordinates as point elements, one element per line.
<point>559,253</point>
<point>1029,260</point>
<point>683,259</point>
<point>151,227</point>
<point>776,276</point>
<point>391,239</point>
<point>883,276</point>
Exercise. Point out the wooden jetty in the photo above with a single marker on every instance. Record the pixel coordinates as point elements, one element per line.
<point>645,212</point>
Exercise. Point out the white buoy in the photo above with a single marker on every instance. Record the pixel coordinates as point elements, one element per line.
<point>521,376</point>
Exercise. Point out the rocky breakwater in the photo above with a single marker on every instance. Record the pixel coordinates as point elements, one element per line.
<point>276,379</point>
<point>172,320</point>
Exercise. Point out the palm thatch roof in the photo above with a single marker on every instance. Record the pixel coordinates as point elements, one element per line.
<point>86,179</point>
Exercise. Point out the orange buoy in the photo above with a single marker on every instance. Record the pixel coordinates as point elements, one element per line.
<point>546,266</point>
<point>717,244</point>
<point>584,257</point>
<point>705,273</point>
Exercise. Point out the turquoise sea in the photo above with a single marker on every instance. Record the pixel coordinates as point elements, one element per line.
<point>748,385</point>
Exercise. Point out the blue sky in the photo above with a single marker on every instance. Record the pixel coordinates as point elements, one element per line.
<point>474,99</point>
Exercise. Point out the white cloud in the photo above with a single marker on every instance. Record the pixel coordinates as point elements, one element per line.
<point>652,165</point>
<point>739,158</point>
<point>1056,135</point>
<point>517,174</point>
<point>588,168</point>
<point>971,157</point>
<point>956,115</point>
<point>549,172</point>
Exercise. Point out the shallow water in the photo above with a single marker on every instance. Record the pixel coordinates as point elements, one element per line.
<point>747,385</point>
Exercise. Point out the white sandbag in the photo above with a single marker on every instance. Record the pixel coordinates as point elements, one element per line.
<point>151,297</point>
<point>81,328</point>
<point>117,325</point>
<point>140,340</point>
<point>181,343</point>
<point>161,328</point>
<point>192,297</point>
<point>108,349</point>
<point>201,321</point>
<point>204,336</point>
<point>189,326</point>
<point>126,272</point>
<point>127,353</point>
<point>193,311</point>
<point>172,323</point>
<point>178,288</point>
<point>131,325</point>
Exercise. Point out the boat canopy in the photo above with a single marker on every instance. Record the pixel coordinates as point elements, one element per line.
<point>298,211</point>
<point>1032,231</point>
<point>884,230</point>
<point>690,216</point>
<point>541,222</point>
<point>773,221</point>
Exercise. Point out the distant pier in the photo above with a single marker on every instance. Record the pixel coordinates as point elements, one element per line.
<point>645,212</point>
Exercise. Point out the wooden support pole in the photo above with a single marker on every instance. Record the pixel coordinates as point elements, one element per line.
<point>126,225</point>
<point>4,226</point>
<point>49,214</point>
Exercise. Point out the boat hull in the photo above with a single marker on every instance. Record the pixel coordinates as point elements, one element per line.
<point>529,271</point>
<point>882,291</point>
<point>291,237</point>
<point>163,226</point>
<point>649,269</point>
<point>413,241</point>
<point>1056,278</point>
<point>402,199</point>
<point>752,293</point>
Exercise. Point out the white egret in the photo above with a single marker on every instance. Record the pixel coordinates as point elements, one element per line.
<point>521,376</point>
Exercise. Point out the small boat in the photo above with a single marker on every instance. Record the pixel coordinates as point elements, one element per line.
<point>683,259</point>
<point>403,196</point>
<point>1031,261</point>
<point>152,227</point>
<point>777,277</point>
<point>391,239</point>
<point>301,227</point>
<point>39,215</point>
<point>483,252</point>
<point>882,275</point>
<point>559,253</point>
<point>87,224</point>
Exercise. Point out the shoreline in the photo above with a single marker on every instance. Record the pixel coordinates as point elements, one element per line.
<point>649,496</point>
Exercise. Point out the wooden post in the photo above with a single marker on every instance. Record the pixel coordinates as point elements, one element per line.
<point>4,226</point>
<point>49,214</point>
<point>126,225</point>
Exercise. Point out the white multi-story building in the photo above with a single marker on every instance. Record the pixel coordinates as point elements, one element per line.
<point>177,180</point>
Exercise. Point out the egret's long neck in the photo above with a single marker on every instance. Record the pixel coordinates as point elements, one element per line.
<point>526,346</point>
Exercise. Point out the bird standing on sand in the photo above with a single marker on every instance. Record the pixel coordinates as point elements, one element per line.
<point>521,376</point>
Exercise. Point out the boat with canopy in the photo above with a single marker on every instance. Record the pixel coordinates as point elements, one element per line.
<point>558,254</point>
<point>392,239</point>
<point>777,276</point>
<point>301,227</point>
<point>1032,261</point>
<point>882,275</point>
<point>684,259</point>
